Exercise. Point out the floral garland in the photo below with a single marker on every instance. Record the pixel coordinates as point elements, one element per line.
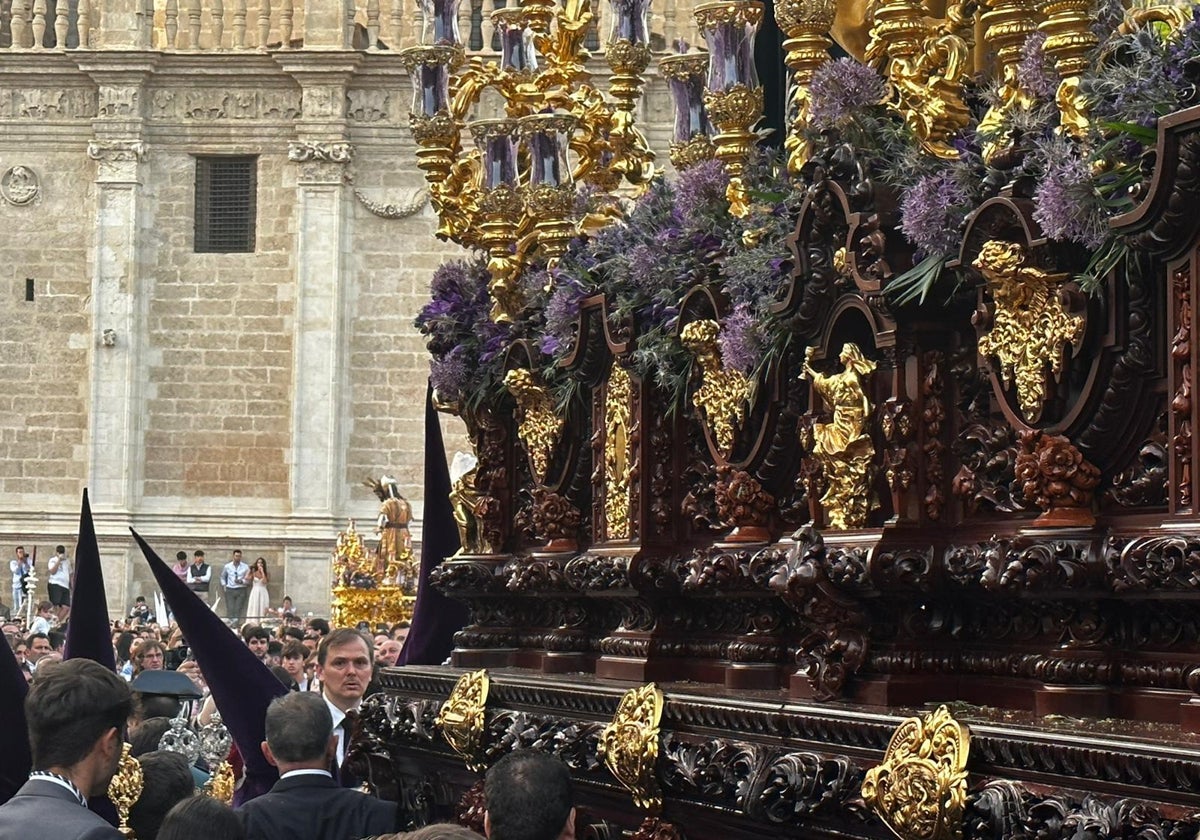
<point>680,233</point>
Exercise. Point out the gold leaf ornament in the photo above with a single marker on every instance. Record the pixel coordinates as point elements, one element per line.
<point>920,789</point>
<point>126,788</point>
<point>629,745</point>
<point>462,718</point>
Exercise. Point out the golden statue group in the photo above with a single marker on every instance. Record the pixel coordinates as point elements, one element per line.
<point>377,586</point>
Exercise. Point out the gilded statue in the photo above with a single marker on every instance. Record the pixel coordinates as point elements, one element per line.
<point>1030,326</point>
<point>723,394</point>
<point>618,423</point>
<point>350,559</point>
<point>463,498</point>
<point>843,446</point>
<point>393,554</point>
<point>927,63</point>
<point>539,424</point>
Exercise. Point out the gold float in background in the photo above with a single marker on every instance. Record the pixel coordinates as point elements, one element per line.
<point>629,745</point>
<point>920,788</point>
<point>381,603</point>
<point>462,718</point>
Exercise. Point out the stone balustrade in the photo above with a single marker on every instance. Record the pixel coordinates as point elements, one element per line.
<point>239,25</point>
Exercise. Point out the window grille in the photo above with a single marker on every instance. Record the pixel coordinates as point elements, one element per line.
<point>226,204</point>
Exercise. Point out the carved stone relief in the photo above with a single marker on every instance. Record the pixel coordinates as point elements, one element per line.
<point>19,185</point>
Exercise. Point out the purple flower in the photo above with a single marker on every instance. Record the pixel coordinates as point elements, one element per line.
<point>561,313</point>
<point>1184,50</point>
<point>1035,72</point>
<point>932,212</point>
<point>839,88</point>
<point>1066,203</point>
<point>448,374</point>
<point>700,192</point>
<point>741,347</point>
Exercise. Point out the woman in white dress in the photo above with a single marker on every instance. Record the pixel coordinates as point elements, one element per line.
<point>260,599</point>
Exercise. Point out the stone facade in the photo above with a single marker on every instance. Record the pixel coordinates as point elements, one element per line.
<point>215,400</point>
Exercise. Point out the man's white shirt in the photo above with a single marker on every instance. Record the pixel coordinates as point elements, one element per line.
<point>338,717</point>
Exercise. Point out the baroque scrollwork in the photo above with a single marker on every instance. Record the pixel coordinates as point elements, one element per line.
<point>461,718</point>
<point>1030,326</point>
<point>539,424</point>
<point>629,745</point>
<point>723,394</point>
<point>920,788</point>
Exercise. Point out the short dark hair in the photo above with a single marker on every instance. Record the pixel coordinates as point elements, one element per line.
<point>180,555</point>
<point>158,706</point>
<point>57,639</point>
<point>167,780</point>
<point>339,637</point>
<point>299,726</point>
<point>29,639</point>
<point>70,706</point>
<point>528,796</point>
<point>293,633</point>
<point>60,549</point>
<point>320,625</point>
<point>197,553</point>
<point>255,631</point>
<point>201,818</point>
<point>145,738</point>
<point>294,650</point>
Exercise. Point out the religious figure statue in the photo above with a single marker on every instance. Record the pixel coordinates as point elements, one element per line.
<point>843,446</point>
<point>463,497</point>
<point>393,555</point>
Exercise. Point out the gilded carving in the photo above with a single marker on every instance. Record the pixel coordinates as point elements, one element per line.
<point>1069,44</point>
<point>629,745</point>
<point>539,424</point>
<point>723,395</point>
<point>805,25</point>
<point>462,718</point>
<point>1030,326</point>
<point>126,788</point>
<point>927,63</point>
<point>920,789</point>
<point>1007,25</point>
<point>617,479</point>
<point>843,446</point>
<point>215,742</point>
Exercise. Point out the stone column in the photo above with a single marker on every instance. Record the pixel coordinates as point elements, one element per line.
<point>320,409</point>
<point>119,298</point>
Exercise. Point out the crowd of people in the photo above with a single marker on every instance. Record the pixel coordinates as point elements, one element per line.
<point>79,714</point>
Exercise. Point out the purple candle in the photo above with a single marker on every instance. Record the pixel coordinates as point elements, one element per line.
<point>431,89</point>
<point>690,117</point>
<point>441,22</point>
<point>629,21</point>
<point>546,139</point>
<point>730,32</point>
<point>497,141</point>
<point>517,54</point>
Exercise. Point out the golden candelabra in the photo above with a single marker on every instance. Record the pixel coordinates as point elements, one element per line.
<point>733,96</point>
<point>685,73</point>
<point>805,25</point>
<point>515,194</point>
<point>1069,42</point>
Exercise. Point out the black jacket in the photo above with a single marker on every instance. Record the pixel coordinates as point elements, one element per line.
<point>315,808</point>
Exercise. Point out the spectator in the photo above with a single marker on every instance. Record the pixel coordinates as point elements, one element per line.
<point>293,658</point>
<point>528,796</point>
<point>181,566</point>
<point>58,582</point>
<point>258,639</point>
<point>344,669</point>
<point>76,714</point>
<point>140,612</point>
<point>235,579</point>
<point>19,566</point>
<point>166,780</point>
<point>41,624</point>
<point>387,653</point>
<point>306,801</point>
<point>199,574</point>
<point>201,818</point>
<point>150,657</point>
<point>37,646</point>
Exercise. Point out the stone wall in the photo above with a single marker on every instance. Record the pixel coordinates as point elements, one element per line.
<point>214,401</point>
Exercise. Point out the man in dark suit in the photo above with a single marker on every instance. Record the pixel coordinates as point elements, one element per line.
<point>528,796</point>
<point>306,801</point>
<point>76,713</point>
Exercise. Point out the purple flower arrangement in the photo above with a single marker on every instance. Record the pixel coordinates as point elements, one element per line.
<point>932,212</point>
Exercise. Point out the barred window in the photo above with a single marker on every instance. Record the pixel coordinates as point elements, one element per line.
<point>226,204</point>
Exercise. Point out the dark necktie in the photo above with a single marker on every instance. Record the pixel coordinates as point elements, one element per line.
<point>349,726</point>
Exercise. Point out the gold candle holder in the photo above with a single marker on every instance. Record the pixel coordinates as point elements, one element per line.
<point>1069,39</point>
<point>1007,24</point>
<point>550,194</point>
<point>500,206</point>
<point>685,75</point>
<point>805,25</point>
<point>433,126</point>
<point>733,96</point>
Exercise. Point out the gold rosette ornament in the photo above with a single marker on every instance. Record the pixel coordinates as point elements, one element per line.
<point>920,789</point>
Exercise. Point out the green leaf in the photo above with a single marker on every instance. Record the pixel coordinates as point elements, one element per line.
<point>1144,135</point>
<point>917,282</point>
